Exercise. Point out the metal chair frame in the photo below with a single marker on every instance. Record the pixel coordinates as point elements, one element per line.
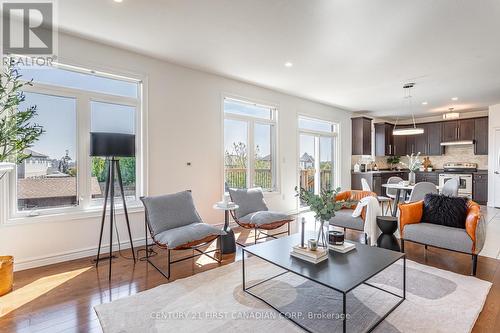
<point>169,261</point>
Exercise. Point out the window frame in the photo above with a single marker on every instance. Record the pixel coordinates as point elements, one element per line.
<point>251,121</point>
<point>335,135</point>
<point>83,100</point>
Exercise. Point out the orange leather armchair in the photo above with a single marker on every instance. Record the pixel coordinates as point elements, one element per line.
<point>469,240</point>
<point>343,218</point>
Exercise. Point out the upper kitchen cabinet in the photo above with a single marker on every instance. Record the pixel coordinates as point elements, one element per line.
<point>466,129</point>
<point>450,131</point>
<point>399,142</point>
<point>429,143</point>
<point>384,145</point>
<point>481,136</point>
<point>434,132</point>
<point>458,130</point>
<point>361,136</point>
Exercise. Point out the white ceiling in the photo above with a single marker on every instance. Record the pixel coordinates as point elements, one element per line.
<point>354,54</point>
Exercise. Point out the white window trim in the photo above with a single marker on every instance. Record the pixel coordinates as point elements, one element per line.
<point>87,207</point>
<point>335,154</point>
<point>251,121</point>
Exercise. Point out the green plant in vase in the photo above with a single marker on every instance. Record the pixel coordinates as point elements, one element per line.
<point>324,206</point>
<point>393,160</point>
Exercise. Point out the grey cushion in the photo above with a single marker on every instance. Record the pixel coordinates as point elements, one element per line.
<point>250,201</point>
<point>450,238</point>
<point>264,217</point>
<point>343,218</point>
<point>170,211</point>
<point>188,233</point>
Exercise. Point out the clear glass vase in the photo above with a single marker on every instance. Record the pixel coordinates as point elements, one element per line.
<point>411,177</point>
<point>322,239</point>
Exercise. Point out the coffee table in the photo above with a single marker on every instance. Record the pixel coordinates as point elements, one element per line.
<point>342,272</point>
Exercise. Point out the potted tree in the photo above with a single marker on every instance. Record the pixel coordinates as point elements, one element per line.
<point>17,133</point>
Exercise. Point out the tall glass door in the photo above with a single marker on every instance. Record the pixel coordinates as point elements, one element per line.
<point>316,155</point>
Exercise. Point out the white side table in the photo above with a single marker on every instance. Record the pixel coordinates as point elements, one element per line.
<point>227,242</point>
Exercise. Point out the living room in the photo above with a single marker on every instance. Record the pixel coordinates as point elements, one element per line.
<point>247,95</point>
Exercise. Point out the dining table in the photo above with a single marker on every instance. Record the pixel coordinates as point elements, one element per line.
<point>401,190</point>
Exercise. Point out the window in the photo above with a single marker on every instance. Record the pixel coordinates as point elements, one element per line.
<point>249,145</point>
<point>317,163</point>
<point>114,118</point>
<point>59,174</point>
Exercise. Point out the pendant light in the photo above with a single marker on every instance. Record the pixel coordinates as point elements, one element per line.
<point>409,130</point>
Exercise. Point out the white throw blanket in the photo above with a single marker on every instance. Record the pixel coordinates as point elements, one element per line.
<point>372,211</point>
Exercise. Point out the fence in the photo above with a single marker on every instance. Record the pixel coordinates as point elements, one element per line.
<point>237,178</point>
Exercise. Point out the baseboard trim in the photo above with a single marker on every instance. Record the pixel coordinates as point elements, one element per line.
<point>40,261</point>
<point>71,255</point>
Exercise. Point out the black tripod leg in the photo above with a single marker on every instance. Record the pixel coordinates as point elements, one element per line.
<point>119,174</point>
<point>106,193</point>
<point>112,214</point>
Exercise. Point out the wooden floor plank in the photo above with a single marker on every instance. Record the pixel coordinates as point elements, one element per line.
<point>68,307</point>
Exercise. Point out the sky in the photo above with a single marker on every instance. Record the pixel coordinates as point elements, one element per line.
<point>58,115</point>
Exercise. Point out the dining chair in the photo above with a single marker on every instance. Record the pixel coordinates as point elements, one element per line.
<point>383,201</point>
<point>420,190</point>
<point>450,188</point>
<point>391,192</point>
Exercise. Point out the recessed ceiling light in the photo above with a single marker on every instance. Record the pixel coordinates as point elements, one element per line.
<point>288,64</point>
<point>118,1</point>
<point>424,103</point>
<point>454,98</point>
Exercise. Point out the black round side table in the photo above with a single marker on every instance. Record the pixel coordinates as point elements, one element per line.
<point>388,225</point>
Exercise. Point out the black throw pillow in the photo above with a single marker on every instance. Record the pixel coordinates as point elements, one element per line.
<point>445,210</point>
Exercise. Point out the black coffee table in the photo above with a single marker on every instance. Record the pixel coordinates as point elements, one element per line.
<point>342,272</point>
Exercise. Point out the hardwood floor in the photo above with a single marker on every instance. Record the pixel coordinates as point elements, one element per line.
<point>60,297</point>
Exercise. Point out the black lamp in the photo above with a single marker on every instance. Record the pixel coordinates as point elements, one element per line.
<point>111,146</point>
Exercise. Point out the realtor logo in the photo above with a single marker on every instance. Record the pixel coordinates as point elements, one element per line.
<point>28,28</point>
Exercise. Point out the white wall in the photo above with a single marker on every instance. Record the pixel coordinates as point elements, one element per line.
<point>493,124</point>
<point>184,125</point>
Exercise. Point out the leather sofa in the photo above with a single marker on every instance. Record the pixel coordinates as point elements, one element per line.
<point>469,240</point>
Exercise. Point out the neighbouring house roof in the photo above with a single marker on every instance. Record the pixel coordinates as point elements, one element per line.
<point>35,153</point>
<point>36,188</point>
<point>307,158</point>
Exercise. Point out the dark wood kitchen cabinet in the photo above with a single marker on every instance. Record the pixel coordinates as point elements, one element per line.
<point>450,131</point>
<point>384,145</point>
<point>429,143</point>
<point>421,140</point>
<point>480,187</point>
<point>428,176</point>
<point>466,129</point>
<point>458,130</point>
<point>399,142</point>
<point>434,131</point>
<point>481,136</point>
<point>361,136</point>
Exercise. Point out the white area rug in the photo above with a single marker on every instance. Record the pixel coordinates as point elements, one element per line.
<point>437,301</point>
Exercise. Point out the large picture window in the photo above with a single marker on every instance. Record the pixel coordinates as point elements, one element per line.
<point>60,174</point>
<point>249,145</point>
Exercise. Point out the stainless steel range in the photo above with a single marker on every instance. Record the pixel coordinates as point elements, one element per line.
<point>462,172</point>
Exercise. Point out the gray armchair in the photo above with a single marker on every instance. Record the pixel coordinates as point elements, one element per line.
<point>174,224</point>
<point>254,214</point>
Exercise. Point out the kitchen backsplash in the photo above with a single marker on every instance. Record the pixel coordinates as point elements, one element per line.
<point>452,154</point>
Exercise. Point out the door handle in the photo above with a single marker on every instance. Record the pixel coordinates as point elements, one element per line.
<point>497,173</point>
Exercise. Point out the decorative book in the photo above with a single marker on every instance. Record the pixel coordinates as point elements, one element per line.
<point>311,256</point>
<point>344,248</point>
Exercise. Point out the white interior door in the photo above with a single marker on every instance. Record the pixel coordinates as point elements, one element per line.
<point>496,180</point>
